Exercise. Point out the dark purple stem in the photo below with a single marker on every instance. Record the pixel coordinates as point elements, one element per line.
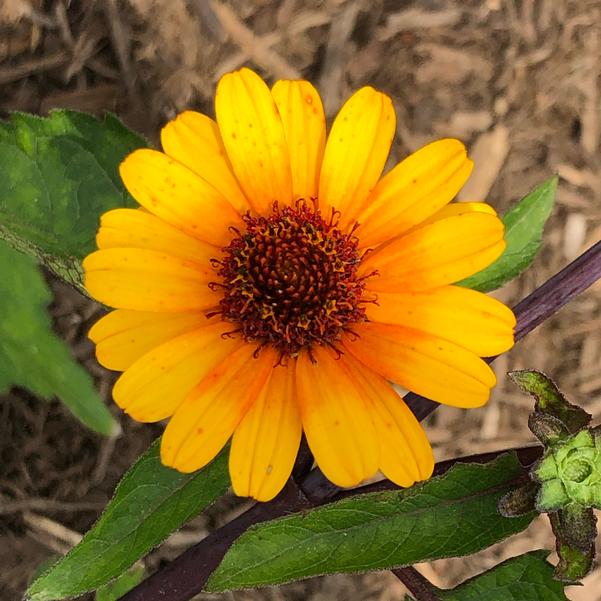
<point>187,575</point>
<point>419,586</point>
<point>556,292</point>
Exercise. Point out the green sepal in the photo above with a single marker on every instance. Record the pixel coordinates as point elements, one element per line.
<point>547,428</point>
<point>575,532</point>
<point>520,501</point>
<point>552,496</point>
<point>550,400</point>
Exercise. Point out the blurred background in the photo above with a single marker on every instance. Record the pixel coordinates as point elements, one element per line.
<point>517,80</point>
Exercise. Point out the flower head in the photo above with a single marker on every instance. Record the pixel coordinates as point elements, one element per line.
<point>273,283</point>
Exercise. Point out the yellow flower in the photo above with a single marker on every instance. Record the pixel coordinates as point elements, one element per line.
<point>273,283</point>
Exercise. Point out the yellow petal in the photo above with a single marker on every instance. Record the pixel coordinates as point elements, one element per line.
<point>265,443</point>
<point>459,208</point>
<point>304,123</point>
<point>207,418</point>
<point>423,363</point>
<point>194,140</point>
<point>465,317</point>
<point>123,336</point>
<point>148,280</point>
<point>356,152</point>
<point>437,254</point>
<point>336,419</point>
<point>413,191</point>
<point>405,452</point>
<point>253,135</point>
<point>172,192</point>
<point>156,384</point>
<point>136,228</point>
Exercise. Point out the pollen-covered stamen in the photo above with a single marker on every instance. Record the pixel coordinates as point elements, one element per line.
<point>290,280</point>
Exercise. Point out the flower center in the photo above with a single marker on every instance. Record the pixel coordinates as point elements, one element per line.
<point>290,280</point>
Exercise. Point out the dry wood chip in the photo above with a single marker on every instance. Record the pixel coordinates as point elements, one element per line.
<point>335,62</point>
<point>488,153</point>
<point>418,18</point>
<point>574,235</point>
<point>463,124</point>
<point>12,11</point>
<point>450,65</point>
<point>254,46</point>
<point>582,178</point>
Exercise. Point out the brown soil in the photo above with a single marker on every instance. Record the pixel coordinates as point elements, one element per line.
<point>518,81</point>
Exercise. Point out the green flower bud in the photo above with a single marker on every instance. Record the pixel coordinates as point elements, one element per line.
<point>570,471</point>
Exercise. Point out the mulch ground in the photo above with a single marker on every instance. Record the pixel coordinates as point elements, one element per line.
<point>518,81</point>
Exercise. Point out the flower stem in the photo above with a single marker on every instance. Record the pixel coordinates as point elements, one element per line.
<point>556,292</point>
<point>419,586</point>
<point>186,576</point>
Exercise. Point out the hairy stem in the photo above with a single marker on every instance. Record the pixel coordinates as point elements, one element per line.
<point>419,586</point>
<point>556,292</point>
<point>185,577</point>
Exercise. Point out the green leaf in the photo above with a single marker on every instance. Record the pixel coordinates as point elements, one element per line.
<point>528,577</point>
<point>524,225</point>
<point>149,503</point>
<point>59,175</point>
<point>31,355</point>
<point>121,585</point>
<point>450,515</point>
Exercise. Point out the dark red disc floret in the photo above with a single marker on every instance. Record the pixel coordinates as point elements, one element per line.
<point>290,280</point>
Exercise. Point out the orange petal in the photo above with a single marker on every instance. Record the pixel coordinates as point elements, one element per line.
<point>253,135</point>
<point>174,193</point>
<point>405,453</point>
<point>207,418</point>
<point>136,228</point>
<point>194,140</point>
<point>148,280</point>
<point>155,385</point>
<point>465,317</point>
<point>336,419</point>
<point>423,363</point>
<point>304,123</point>
<point>437,254</point>
<point>413,191</point>
<point>356,152</point>
<point>123,336</point>
<point>265,443</point>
